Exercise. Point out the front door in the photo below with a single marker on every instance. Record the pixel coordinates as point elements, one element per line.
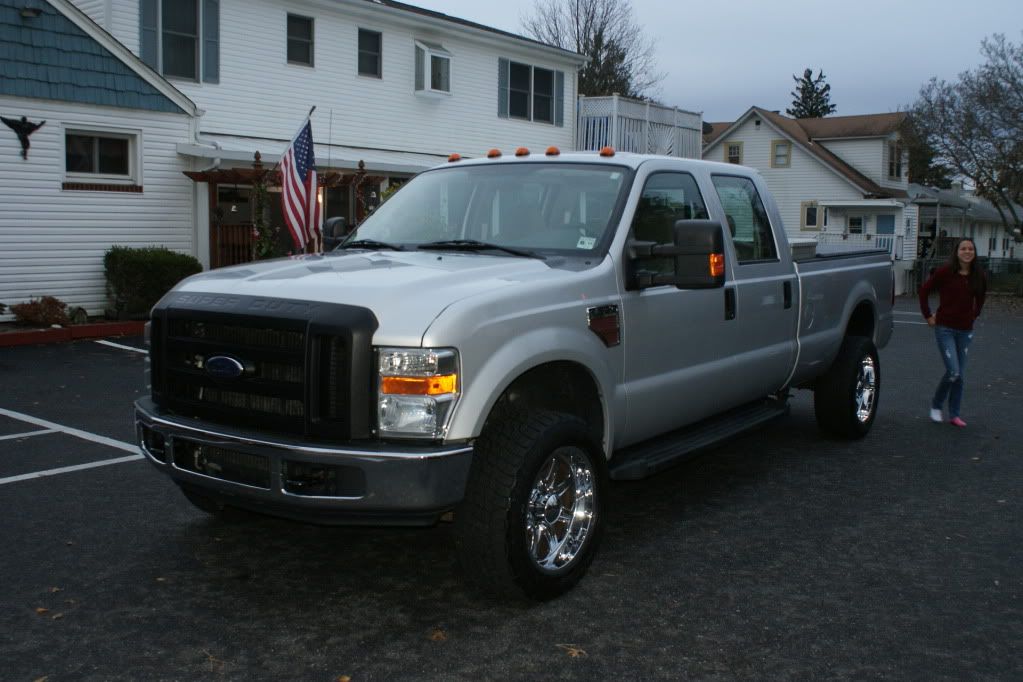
<point>678,342</point>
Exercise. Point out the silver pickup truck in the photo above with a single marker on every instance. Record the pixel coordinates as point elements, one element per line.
<point>499,340</point>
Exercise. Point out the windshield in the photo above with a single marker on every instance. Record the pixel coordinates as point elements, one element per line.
<point>531,206</point>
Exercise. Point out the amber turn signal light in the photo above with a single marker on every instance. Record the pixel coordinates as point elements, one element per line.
<point>438,385</point>
<point>717,264</point>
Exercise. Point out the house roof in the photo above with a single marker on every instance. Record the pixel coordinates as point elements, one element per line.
<point>804,132</point>
<point>401,6</point>
<point>63,55</point>
<point>972,206</point>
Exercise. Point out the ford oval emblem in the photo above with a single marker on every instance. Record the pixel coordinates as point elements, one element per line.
<point>224,367</point>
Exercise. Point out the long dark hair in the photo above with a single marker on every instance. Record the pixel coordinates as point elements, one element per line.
<point>976,278</point>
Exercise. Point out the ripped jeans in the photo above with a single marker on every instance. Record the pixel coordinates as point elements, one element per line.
<point>954,345</point>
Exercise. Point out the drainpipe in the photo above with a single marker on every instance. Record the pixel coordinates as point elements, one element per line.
<point>201,142</point>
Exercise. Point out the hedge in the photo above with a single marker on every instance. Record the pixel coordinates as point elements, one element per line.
<point>138,278</point>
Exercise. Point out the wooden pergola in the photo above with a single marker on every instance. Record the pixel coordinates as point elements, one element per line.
<point>233,244</point>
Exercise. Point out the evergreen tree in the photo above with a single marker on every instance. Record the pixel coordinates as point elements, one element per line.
<point>812,96</point>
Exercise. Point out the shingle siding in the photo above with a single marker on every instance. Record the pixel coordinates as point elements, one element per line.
<point>48,57</point>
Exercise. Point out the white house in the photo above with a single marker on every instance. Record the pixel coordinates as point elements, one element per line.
<point>840,180</point>
<point>395,86</point>
<point>946,215</point>
<point>102,168</point>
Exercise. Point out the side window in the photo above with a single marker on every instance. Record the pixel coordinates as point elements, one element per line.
<point>666,197</point>
<point>747,219</point>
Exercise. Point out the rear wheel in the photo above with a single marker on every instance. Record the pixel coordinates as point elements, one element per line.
<point>845,398</point>
<point>533,513</point>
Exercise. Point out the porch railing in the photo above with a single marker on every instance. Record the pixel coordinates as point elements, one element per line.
<point>891,243</point>
<point>631,125</point>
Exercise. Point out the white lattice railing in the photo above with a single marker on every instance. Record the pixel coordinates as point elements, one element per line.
<point>630,125</point>
<point>855,242</point>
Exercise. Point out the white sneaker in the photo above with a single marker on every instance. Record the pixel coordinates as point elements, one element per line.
<point>936,416</point>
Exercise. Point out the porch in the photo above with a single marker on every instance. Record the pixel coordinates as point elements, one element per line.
<point>631,125</point>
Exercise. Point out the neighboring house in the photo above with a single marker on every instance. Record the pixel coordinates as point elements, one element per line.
<point>840,180</point>
<point>947,215</point>
<point>395,86</point>
<point>103,169</point>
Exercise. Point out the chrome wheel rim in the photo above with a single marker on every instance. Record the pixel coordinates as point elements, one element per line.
<point>560,510</point>
<point>866,389</point>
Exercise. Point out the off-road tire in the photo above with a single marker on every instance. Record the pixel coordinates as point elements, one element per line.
<point>839,396</point>
<point>491,522</point>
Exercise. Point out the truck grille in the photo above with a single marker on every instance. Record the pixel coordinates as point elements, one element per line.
<point>271,372</point>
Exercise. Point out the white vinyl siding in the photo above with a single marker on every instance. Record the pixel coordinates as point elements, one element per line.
<point>374,113</point>
<point>867,155</point>
<point>52,240</point>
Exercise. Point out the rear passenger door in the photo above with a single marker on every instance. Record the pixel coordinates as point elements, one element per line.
<point>766,288</point>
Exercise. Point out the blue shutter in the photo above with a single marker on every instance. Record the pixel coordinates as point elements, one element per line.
<point>148,38</point>
<point>502,87</point>
<point>559,98</point>
<point>211,41</point>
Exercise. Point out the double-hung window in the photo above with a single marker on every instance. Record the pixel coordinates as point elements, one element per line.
<point>181,38</point>
<point>855,224</point>
<point>300,40</point>
<point>811,218</point>
<point>781,154</point>
<point>370,53</point>
<point>530,93</point>
<point>895,160</point>
<point>433,68</point>
<point>733,153</point>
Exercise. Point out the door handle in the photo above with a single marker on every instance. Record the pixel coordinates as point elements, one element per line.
<point>787,289</point>
<point>730,303</point>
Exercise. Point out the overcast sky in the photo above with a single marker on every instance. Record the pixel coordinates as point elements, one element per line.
<point>723,57</point>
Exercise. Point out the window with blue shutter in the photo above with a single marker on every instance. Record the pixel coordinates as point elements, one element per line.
<point>181,38</point>
<point>531,93</point>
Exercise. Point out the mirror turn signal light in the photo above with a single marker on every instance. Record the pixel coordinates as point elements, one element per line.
<point>493,153</point>
<point>717,264</point>
<point>438,385</point>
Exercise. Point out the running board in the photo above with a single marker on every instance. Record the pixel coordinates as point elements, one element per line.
<point>647,458</point>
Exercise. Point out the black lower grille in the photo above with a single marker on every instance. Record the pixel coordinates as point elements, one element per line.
<point>222,463</point>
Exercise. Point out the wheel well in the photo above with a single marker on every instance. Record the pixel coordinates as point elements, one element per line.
<point>560,387</point>
<point>861,322</point>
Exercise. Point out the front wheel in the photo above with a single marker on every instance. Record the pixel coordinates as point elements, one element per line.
<point>533,513</point>
<point>845,398</point>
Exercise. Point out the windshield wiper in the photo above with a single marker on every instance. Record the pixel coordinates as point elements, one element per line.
<point>476,245</point>
<point>370,244</point>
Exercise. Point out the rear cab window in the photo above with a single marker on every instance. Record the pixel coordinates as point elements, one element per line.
<point>747,221</point>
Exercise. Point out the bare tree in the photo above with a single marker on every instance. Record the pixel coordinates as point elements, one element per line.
<point>621,58</point>
<point>975,126</point>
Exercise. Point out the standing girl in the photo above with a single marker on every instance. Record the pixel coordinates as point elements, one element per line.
<point>961,286</point>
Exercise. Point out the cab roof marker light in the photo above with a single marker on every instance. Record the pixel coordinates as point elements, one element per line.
<point>553,151</point>
<point>607,151</point>
<point>454,157</point>
<point>521,151</point>
<point>493,153</point>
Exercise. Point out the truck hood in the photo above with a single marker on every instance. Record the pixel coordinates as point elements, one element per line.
<point>406,290</point>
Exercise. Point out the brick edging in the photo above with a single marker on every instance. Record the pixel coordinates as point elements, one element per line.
<point>94,330</point>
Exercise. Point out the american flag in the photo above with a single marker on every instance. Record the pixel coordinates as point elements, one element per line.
<point>298,177</point>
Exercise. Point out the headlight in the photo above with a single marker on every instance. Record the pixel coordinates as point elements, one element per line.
<point>417,391</point>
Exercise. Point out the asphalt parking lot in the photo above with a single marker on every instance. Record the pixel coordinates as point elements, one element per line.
<point>778,556</point>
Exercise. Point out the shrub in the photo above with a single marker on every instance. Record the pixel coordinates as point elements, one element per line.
<point>138,278</point>
<point>42,312</point>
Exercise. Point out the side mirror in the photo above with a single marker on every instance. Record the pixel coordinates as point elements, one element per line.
<point>697,255</point>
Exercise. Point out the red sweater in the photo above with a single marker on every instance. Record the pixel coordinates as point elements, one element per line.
<point>958,305</point>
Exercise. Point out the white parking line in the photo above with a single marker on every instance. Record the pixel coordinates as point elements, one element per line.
<point>64,470</point>
<point>908,322</point>
<point>52,427</point>
<point>28,434</point>
<point>123,347</point>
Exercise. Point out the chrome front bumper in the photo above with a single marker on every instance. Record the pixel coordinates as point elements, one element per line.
<point>386,484</point>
